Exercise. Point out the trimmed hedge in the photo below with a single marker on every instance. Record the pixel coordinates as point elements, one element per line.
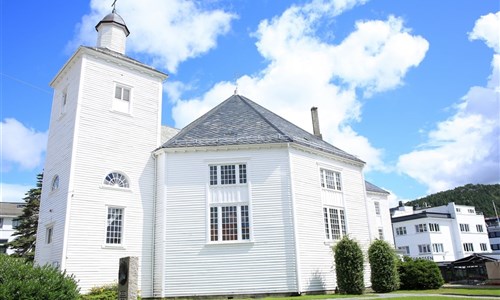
<point>349,267</point>
<point>20,279</point>
<point>419,274</point>
<point>384,267</point>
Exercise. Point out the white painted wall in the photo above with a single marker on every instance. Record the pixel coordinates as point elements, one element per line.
<point>194,266</point>
<point>382,220</point>
<point>95,142</point>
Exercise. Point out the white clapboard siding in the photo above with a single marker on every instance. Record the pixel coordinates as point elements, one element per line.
<point>317,270</point>
<point>194,267</point>
<point>53,205</point>
<point>104,141</point>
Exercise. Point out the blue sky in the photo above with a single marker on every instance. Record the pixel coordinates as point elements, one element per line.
<point>411,87</point>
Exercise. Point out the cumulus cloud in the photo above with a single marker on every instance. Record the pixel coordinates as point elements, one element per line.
<point>304,70</point>
<point>166,32</point>
<point>13,192</point>
<point>21,146</point>
<point>464,148</point>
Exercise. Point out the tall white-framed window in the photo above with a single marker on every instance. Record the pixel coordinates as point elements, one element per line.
<point>114,225</point>
<point>228,174</point>
<point>464,228</point>
<point>377,207</point>
<point>48,234</point>
<point>483,247</point>
<point>330,180</point>
<point>479,228</point>
<point>421,227</point>
<point>64,101</point>
<point>424,249</point>
<point>437,248</point>
<point>380,233</point>
<point>116,179</point>
<point>434,227</point>
<point>55,183</point>
<point>229,220</point>
<point>404,249</point>
<point>401,230</point>
<point>335,223</point>
<point>122,98</point>
<point>468,247</point>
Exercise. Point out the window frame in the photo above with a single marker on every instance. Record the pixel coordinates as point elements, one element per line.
<point>479,228</point>
<point>377,207</point>
<point>424,249</point>
<point>464,227</point>
<point>437,248</point>
<point>420,228</point>
<point>381,233</point>
<point>1,222</point>
<point>483,246</point>
<point>54,184</point>
<point>467,246</point>
<point>405,248</point>
<point>335,184</point>
<point>15,223</point>
<point>434,227</point>
<point>221,227</point>
<point>328,223</point>
<point>401,230</point>
<point>108,232</point>
<point>123,179</point>
<point>119,104</point>
<point>49,234</point>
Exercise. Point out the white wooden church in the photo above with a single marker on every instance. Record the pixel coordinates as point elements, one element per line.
<point>240,201</point>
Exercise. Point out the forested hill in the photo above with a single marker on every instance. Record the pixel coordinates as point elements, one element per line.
<point>481,196</point>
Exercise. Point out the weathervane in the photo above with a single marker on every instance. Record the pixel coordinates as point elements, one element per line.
<point>114,6</point>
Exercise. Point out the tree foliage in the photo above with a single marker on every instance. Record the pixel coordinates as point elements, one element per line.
<point>20,279</point>
<point>419,274</point>
<point>481,196</point>
<point>25,234</point>
<point>383,263</point>
<point>349,267</point>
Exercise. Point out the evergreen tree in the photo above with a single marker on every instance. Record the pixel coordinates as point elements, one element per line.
<point>24,243</point>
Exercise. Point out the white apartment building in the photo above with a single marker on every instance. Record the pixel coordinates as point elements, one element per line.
<point>493,226</point>
<point>9,213</point>
<point>443,233</point>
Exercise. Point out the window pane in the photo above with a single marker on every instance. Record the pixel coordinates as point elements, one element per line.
<point>245,223</point>
<point>228,174</point>
<point>214,224</point>
<point>117,180</point>
<point>342,222</point>
<point>327,228</point>
<point>337,181</point>
<point>126,94</point>
<point>118,92</point>
<point>229,223</point>
<point>213,175</point>
<point>115,225</point>
<point>335,225</point>
<point>243,173</point>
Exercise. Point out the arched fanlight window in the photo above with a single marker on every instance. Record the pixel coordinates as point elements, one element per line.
<point>55,183</point>
<point>116,179</point>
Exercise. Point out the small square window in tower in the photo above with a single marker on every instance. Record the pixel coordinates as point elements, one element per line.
<point>121,100</point>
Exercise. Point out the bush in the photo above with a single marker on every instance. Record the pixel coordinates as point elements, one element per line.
<point>105,292</point>
<point>419,274</point>
<point>349,267</point>
<point>20,279</point>
<point>384,267</point>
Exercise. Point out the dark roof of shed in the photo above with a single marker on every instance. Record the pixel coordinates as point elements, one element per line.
<point>370,187</point>
<point>238,120</point>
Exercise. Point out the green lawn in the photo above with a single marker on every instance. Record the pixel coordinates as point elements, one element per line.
<point>480,291</point>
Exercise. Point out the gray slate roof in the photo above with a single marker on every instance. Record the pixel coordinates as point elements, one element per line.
<point>238,121</point>
<point>370,187</point>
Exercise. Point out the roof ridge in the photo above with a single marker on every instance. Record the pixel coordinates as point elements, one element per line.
<point>248,101</point>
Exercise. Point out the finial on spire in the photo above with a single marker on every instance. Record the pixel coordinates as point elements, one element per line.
<point>236,90</point>
<point>114,6</point>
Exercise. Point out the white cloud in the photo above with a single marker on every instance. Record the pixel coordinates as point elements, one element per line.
<point>21,145</point>
<point>13,192</point>
<point>487,29</point>
<point>167,31</point>
<point>464,148</point>
<point>302,70</point>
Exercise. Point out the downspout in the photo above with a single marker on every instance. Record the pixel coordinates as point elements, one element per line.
<point>294,221</point>
<point>155,192</point>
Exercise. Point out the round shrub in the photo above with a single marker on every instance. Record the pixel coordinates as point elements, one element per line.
<point>384,269</point>
<point>349,267</point>
<point>20,279</point>
<point>419,274</point>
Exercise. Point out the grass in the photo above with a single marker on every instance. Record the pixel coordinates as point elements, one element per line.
<point>480,291</point>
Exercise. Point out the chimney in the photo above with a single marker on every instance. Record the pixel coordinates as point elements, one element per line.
<point>315,120</point>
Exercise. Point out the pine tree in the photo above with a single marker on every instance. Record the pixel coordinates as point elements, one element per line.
<point>24,243</point>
